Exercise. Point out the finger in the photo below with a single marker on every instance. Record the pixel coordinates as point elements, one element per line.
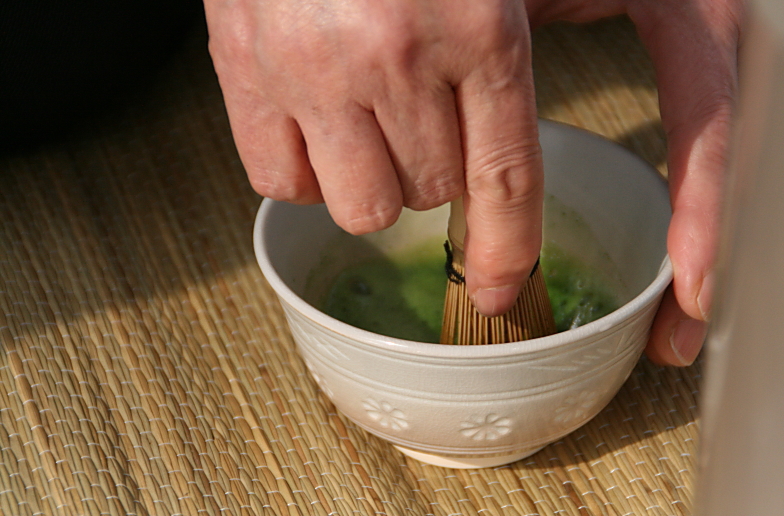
<point>694,47</point>
<point>676,338</point>
<point>268,141</point>
<point>353,168</point>
<point>422,132</point>
<point>504,180</point>
<point>273,152</point>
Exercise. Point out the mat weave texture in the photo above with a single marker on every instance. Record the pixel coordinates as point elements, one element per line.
<point>146,367</point>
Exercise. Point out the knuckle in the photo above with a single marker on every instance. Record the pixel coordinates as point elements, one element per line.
<point>715,106</point>
<point>390,43</point>
<point>510,173</point>
<point>431,193</point>
<point>288,39</point>
<point>492,24</point>
<point>275,185</point>
<point>367,218</point>
<point>390,35</point>
<point>232,30</point>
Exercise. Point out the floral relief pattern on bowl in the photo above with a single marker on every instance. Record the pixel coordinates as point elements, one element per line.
<point>385,415</point>
<point>485,428</point>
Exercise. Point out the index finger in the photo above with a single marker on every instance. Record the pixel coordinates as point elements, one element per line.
<point>504,177</point>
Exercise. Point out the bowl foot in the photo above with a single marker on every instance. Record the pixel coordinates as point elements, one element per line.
<point>466,462</point>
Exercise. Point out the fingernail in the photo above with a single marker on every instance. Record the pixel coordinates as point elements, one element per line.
<point>705,297</point>
<point>686,340</point>
<point>491,302</point>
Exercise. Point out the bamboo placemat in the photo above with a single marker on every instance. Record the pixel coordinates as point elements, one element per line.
<point>146,367</point>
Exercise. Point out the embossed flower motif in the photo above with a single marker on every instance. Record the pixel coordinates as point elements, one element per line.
<point>385,414</point>
<point>486,428</point>
<point>576,407</point>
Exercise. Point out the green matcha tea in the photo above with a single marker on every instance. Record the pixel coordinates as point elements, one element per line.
<point>402,294</point>
<point>405,298</point>
<point>577,293</point>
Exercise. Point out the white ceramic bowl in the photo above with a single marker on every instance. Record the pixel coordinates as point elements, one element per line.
<point>479,406</point>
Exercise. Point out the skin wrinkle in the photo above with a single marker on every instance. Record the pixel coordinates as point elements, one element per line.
<point>688,289</point>
<point>493,261</point>
<point>499,177</point>
<point>291,191</point>
<point>434,192</point>
<point>715,109</point>
<point>503,74</point>
<point>370,218</point>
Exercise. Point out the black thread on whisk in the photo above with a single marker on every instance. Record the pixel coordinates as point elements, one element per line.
<point>451,272</point>
<point>536,266</point>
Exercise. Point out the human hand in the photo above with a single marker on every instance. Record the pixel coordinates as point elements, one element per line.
<point>694,48</point>
<point>693,45</point>
<point>370,107</point>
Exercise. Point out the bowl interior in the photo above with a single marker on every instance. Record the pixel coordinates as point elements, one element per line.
<point>619,197</point>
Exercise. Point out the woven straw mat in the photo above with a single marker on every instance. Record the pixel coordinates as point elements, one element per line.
<point>146,367</point>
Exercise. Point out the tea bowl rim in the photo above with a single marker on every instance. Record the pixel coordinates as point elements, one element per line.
<point>442,351</point>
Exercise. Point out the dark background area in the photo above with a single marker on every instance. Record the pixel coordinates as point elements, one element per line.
<point>62,62</point>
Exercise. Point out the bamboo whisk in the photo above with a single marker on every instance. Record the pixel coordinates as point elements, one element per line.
<point>530,317</point>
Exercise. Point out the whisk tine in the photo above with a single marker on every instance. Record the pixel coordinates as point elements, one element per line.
<point>530,317</point>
